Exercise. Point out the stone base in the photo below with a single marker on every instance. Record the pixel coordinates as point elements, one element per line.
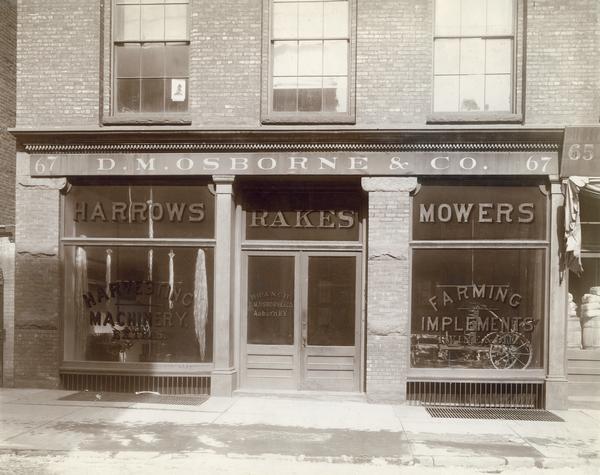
<point>223,382</point>
<point>557,394</point>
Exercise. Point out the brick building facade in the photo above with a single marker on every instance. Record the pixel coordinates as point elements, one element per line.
<point>380,123</point>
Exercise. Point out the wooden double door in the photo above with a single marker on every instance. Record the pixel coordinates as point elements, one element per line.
<point>301,321</point>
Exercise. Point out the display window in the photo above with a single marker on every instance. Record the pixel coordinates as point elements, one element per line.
<point>584,288</point>
<point>478,302</point>
<point>146,298</point>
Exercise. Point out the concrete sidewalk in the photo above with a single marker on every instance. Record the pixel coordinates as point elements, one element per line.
<point>35,423</point>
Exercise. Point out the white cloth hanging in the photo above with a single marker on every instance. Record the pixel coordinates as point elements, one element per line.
<point>171,278</point>
<point>108,270</point>
<point>573,187</point>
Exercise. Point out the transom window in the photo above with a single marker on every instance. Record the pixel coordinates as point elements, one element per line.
<point>310,47</point>
<point>151,56</point>
<point>473,55</point>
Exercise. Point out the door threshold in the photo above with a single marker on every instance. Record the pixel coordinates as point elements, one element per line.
<point>302,394</point>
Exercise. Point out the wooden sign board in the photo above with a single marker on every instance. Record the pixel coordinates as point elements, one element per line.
<point>581,152</point>
<point>309,163</point>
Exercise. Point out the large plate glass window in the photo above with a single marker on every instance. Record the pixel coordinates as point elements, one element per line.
<point>139,274</point>
<point>310,42</point>
<point>584,289</point>
<point>151,48</point>
<point>478,300</point>
<point>474,55</point>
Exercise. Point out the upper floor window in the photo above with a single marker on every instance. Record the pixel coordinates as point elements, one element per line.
<point>310,50</point>
<point>474,43</point>
<point>151,43</point>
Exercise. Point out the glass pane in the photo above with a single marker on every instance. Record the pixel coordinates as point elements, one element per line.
<point>498,57</point>
<point>497,93</point>
<point>471,93</point>
<point>479,308</point>
<point>285,58</point>
<point>310,58</point>
<point>177,95</point>
<point>589,204</point>
<point>153,60</point>
<point>309,94</point>
<point>500,17</point>
<point>128,61</point>
<point>139,211</point>
<point>285,20</point>
<point>472,17</point>
<point>313,215</point>
<point>285,94</point>
<point>310,20</point>
<point>128,95</point>
<point>584,290</point>
<point>471,212</point>
<point>271,300</point>
<point>335,60</point>
<point>127,26</point>
<point>335,94</point>
<point>176,22</point>
<point>447,17</point>
<point>153,95</point>
<point>472,56</point>
<point>126,308</point>
<point>446,56</point>
<point>331,301</point>
<point>445,93</point>
<point>153,22</point>
<point>177,59</point>
<point>335,20</point>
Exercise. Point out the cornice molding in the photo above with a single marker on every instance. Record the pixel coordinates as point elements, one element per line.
<point>34,148</point>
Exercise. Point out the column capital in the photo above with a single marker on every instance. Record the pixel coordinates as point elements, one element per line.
<point>400,184</point>
<point>223,184</point>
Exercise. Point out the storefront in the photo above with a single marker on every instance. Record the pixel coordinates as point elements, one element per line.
<point>388,269</point>
<point>581,174</point>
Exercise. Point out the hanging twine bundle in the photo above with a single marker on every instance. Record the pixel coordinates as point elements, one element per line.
<point>201,301</point>
<point>81,288</point>
<point>108,270</point>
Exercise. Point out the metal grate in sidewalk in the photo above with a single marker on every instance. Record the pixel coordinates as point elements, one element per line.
<point>492,413</point>
<point>173,399</point>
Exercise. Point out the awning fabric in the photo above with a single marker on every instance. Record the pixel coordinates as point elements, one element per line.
<point>573,187</point>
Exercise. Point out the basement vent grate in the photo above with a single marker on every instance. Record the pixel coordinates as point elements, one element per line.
<point>130,383</point>
<point>179,400</point>
<point>485,413</point>
<point>527,395</point>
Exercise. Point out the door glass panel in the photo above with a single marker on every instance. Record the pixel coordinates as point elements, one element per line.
<point>331,300</point>
<point>271,300</point>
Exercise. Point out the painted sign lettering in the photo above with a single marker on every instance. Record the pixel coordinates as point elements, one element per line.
<point>309,163</point>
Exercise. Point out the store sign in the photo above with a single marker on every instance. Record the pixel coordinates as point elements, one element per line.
<point>302,215</point>
<point>581,152</point>
<point>309,163</point>
<point>443,212</point>
<point>139,211</point>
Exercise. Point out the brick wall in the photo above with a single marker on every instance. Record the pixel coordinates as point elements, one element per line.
<point>388,280</point>
<point>58,63</point>
<point>8,51</point>
<point>563,62</point>
<point>394,62</point>
<point>225,62</point>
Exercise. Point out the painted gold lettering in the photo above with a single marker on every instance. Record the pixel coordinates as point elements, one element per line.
<point>484,212</point>
<point>258,218</point>
<point>196,211</point>
<point>526,213</point>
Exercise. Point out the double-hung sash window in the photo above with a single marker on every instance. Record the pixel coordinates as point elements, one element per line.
<point>151,43</point>
<point>474,43</point>
<point>310,50</point>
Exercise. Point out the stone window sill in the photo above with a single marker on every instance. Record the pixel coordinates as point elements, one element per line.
<point>148,119</point>
<point>308,118</point>
<point>474,118</point>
